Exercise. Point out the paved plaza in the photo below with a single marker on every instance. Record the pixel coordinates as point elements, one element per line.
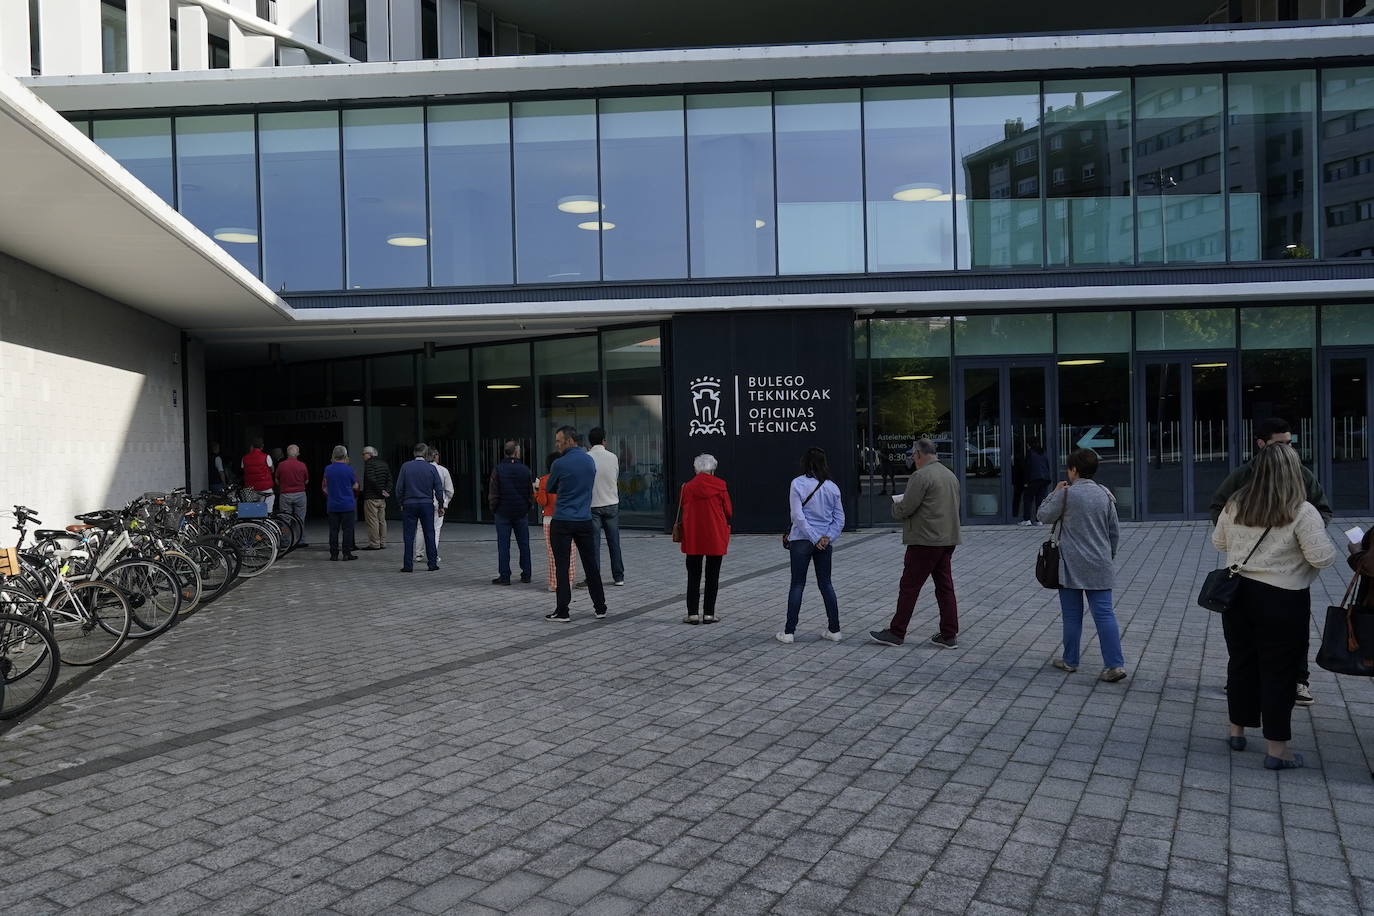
<point>335,737</point>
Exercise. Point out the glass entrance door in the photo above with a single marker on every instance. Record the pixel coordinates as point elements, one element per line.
<point>1188,408</point>
<point>1004,407</point>
<point>1348,391</point>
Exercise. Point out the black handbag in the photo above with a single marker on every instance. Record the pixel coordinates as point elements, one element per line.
<point>1347,638</point>
<point>1047,558</point>
<point>786,542</point>
<point>1218,591</point>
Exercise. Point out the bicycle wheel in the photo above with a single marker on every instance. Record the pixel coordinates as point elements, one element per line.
<point>89,622</point>
<point>153,592</point>
<point>286,538</point>
<point>225,546</point>
<point>187,571</point>
<point>215,568</point>
<point>297,530</point>
<point>29,660</point>
<point>257,544</point>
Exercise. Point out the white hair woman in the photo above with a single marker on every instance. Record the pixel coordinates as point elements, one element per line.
<point>704,509</point>
<point>1278,541</point>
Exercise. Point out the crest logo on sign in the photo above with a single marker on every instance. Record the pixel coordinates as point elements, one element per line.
<point>706,418</point>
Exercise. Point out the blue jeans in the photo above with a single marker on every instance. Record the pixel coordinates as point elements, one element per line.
<point>505,524</point>
<point>607,518</point>
<point>1108,634</point>
<point>805,554</point>
<point>422,511</point>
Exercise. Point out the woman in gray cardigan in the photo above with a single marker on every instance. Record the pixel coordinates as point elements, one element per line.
<point>1088,535</point>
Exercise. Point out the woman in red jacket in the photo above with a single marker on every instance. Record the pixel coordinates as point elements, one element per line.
<point>706,511</point>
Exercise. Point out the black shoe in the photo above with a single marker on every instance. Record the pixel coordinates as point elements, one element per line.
<point>950,642</point>
<point>350,556</point>
<point>884,638</point>
<point>582,584</point>
<point>556,617</point>
<point>600,615</point>
<point>432,568</point>
<point>302,544</point>
<point>525,580</point>
<point>499,581</point>
<point>1237,742</point>
<point>333,556</point>
<point>406,569</point>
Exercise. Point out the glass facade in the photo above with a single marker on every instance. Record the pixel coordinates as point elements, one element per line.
<point>1030,175</point>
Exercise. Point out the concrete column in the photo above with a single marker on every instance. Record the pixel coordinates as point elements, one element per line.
<point>249,50</point>
<point>193,39</point>
<point>14,39</point>
<point>470,17</point>
<point>405,30</point>
<point>69,32</point>
<point>378,30</point>
<point>301,17</point>
<point>150,35</point>
<point>450,28</point>
<point>334,25</point>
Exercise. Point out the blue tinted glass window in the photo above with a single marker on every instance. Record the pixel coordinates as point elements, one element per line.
<point>730,183</point>
<point>1178,164</point>
<point>643,185</point>
<point>1347,178</point>
<point>384,182</point>
<point>820,182</point>
<point>144,147</point>
<point>1087,127</point>
<point>217,171</point>
<point>998,172</point>
<point>558,211</point>
<point>910,184</point>
<point>1271,164</point>
<point>469,194</point>
<point>301,220</point>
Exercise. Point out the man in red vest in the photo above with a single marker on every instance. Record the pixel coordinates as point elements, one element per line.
<point>257,472</point>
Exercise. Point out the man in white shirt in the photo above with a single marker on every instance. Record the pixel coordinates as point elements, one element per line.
<point>606,502</point>
<point>447,480</point>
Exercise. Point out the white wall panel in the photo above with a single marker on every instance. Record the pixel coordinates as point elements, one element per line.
<point>193,39</point>
<point>150,35</point>
<point>69,33</point>
<point>405,30</point>
<point>450,28</point>
<point>86,397</point>
<point>378,30</point>
<point>14,39</point>
<point>334,25</point>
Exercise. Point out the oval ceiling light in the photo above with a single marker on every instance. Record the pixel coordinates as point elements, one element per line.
<point>502,387</point>
<point>407,240</point>
<point>446,397</point>
<point>1209,365</point>
<point>912,378</point>
<point>1081,362</point>
<point>237,235</point>
<point>579,203</point>
<point>573,395</point>
<point>759,224</point>
<point>920,190</point>
<point>596,225</point>
<point>947,197</point>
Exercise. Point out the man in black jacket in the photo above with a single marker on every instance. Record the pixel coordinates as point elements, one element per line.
<point>510,494</point>
<point>377,484</point>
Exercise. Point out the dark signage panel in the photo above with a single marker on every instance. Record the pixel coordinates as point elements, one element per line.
<point>756,389</point>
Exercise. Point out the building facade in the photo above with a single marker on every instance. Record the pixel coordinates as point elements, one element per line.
<point>1136,241</point>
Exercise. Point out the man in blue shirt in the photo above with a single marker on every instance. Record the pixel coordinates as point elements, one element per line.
<point>417,487</point>
<point>571,477</point>
<point>339,485</point>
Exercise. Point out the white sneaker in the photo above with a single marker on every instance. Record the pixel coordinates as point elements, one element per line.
<point>833,637</point>
<point>783,637</point>
<point>1026,524</point>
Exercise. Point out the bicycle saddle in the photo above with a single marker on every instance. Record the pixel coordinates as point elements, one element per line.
<point>102,519</point>
<point>45,533</point>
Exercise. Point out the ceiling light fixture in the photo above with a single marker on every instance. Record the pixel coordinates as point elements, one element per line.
<point>1081,362</point>
<point>446,397</point>
<point>920,190</point>
<point>947,197</point>
<point>1209,365</point>
<point>595,225</point>
<point>407,240</point>
<point>236,234</point>
<point>502,387</point>
<point>579,203</point>
<point>572,395</point>
<point>912,378</point>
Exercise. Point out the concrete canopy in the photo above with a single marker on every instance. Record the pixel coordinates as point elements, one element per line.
<point>70,209</point>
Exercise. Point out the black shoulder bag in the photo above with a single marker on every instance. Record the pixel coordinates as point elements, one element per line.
<point>786,543</point>
<point>1219,588</point>
<point>1047,559</point>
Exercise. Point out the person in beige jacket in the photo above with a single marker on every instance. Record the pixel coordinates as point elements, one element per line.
<point>1277,541</point>
<point>929,513</point>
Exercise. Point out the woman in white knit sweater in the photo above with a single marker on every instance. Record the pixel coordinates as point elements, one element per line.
<point>1267,626</point>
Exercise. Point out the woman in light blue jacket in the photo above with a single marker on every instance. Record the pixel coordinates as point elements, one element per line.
<point>817,511</point>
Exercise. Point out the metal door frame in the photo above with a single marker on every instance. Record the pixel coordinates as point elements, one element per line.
<point>1325,439</point>
<point>1186,358</point>
<point>1004,365</point>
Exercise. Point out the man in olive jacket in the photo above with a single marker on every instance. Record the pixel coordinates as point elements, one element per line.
<point>1272,431</point>
<point>929,513</point>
